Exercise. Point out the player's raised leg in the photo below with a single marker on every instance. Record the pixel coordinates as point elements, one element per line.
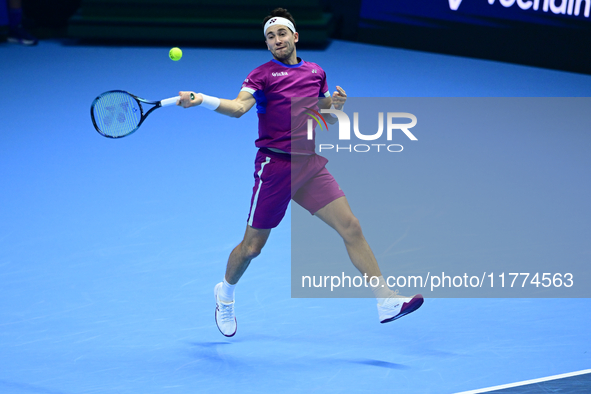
<point>339,216</point>
<point>250,247</point>
<point>253,242</point>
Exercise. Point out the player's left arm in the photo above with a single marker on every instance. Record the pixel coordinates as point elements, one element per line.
<point>337,100</point>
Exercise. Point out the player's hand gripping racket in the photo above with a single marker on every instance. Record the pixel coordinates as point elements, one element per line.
<point>118,113</point>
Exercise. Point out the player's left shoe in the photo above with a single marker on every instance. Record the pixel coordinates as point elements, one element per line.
<point>396,307</point>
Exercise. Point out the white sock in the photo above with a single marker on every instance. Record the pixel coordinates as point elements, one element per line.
<point>382,292</point>
<point>227,291</point>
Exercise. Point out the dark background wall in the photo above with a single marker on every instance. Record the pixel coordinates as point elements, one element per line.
<point>547,37</point>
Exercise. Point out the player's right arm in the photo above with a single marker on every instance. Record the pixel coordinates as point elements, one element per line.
<point>234,108</point>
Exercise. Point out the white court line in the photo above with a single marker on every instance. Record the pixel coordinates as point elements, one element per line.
<point>526,382</point>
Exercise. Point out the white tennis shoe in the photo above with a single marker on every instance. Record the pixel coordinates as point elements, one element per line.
<point>224,314</point>
<point>396,307</point>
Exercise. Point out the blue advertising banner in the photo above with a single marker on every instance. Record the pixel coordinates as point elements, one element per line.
<point>561,13</point>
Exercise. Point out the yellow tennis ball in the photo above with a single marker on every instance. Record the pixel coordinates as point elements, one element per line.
<point>175,54</point>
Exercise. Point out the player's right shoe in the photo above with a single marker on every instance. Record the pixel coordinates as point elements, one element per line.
<point>396,307</point>
<point>224,314</point>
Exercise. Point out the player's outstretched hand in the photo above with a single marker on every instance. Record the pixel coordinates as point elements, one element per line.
<point>338,98</point>
<point>189,99</point>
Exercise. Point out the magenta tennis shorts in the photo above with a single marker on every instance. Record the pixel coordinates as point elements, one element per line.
<point>279,177</point>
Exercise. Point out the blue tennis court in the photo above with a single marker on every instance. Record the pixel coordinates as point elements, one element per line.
<point>109,249</point>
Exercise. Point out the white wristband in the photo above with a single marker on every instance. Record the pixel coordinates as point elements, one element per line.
<point>209,102</point>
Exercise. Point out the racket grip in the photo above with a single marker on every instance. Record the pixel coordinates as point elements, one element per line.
<point>170,101</point>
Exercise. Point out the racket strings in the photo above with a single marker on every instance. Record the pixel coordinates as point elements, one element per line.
<point>116,114</point>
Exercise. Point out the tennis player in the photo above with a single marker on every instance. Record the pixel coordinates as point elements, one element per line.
<point>271,87</point>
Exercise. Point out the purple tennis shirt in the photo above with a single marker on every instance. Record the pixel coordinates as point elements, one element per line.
<point>273,85</point>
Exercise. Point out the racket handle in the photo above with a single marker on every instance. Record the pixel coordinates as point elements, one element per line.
<point>170,101</point>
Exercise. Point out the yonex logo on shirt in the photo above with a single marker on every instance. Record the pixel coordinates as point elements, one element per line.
<point>279,74</point>
<point>314,71</point>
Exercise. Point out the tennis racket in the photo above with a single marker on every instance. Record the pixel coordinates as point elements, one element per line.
<point>118,113</point>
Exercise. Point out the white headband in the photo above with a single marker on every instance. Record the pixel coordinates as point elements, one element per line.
<point>277,20</point>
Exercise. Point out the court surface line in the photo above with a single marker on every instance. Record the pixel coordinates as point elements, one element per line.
<point>526,382</point>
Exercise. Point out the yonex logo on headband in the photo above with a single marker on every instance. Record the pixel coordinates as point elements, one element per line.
<point>279,21</point>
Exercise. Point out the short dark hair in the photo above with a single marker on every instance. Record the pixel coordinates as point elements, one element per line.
<point>282,12</point>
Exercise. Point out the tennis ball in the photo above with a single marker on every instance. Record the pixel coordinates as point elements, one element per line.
<point>175,54</point>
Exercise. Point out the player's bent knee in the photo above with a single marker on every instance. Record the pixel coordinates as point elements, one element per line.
<point>352,229</point>
<point>252,251</point>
